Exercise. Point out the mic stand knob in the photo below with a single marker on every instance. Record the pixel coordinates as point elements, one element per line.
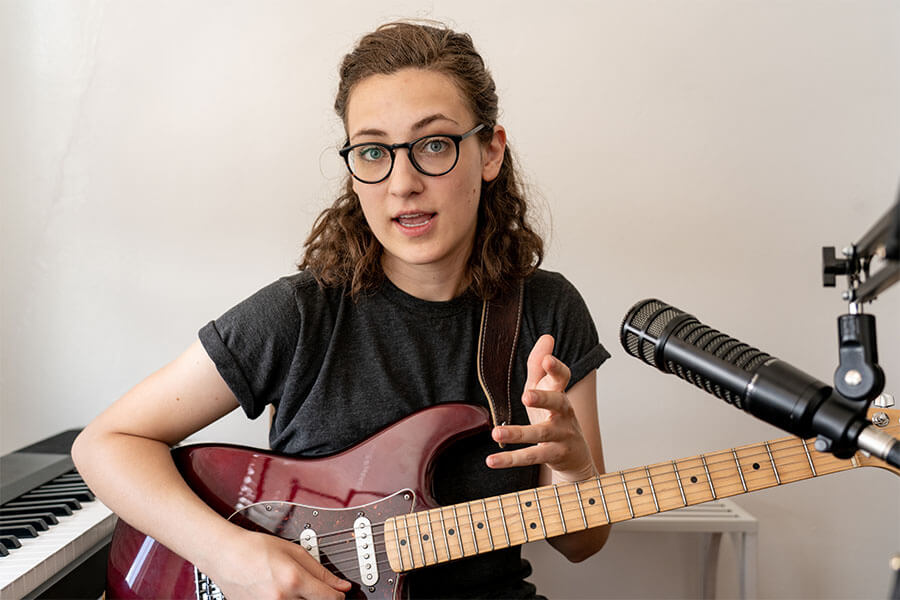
<point>884,400</point>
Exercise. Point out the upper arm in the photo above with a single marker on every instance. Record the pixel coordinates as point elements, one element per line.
<point>181,398</point>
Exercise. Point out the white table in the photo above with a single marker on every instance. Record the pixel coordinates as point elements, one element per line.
<point>710,520</point>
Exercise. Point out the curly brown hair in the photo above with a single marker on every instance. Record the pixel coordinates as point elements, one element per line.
<point>342,250</point>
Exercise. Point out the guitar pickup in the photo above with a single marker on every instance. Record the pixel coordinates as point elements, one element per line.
<point>365,551</point>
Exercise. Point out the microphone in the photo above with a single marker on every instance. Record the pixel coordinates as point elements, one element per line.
<point>676,342</point>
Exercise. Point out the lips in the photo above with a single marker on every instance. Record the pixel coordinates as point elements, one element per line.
<point>414,220</point>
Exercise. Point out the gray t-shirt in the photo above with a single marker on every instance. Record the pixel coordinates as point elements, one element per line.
<point>338,370</point>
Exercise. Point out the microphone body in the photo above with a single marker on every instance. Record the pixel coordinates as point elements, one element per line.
<point>768,388</point>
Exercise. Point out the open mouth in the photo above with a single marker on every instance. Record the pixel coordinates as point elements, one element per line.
<point>414,220</point>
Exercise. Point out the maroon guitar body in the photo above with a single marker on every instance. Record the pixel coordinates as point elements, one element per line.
<point>318,499</point>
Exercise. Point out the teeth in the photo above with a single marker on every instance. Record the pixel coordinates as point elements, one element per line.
<point>411,221</point>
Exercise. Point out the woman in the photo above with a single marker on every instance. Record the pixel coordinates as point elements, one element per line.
<point>380,321</point>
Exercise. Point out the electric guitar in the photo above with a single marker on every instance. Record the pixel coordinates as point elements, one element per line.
<point>368,515</point>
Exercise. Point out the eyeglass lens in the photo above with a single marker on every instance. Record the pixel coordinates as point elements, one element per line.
<point>433,155</point>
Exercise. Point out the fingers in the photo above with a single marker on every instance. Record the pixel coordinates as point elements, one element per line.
<point>319,572</point>
<point>532,455</point>
<point>545,371</point>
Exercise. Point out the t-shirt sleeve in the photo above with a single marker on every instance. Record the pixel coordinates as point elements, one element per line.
<point>558,309</point>
<point>253,345</point>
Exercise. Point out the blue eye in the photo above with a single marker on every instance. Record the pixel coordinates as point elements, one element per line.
<point>435,145</point>
<point>371,153</point>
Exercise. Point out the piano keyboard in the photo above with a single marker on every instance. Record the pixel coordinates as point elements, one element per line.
<point>47,531</point>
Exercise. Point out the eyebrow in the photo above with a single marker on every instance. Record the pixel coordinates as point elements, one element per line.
<point>421,123</point>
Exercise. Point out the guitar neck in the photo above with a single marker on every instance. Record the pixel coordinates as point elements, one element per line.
<point>447,533</point>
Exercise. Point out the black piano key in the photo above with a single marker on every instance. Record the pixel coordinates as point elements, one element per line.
<point>70,476</point>
<point>46,518</point>
<point>71,503</point>
<point>81,496</point>
<point>10,541</point>
<point>62,487</point>
<point>37,524</point>
<point>19,531</point>
<point>3,551</point>
<point>60,509</point>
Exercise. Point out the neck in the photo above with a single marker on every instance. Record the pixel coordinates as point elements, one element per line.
<point>435,283</point>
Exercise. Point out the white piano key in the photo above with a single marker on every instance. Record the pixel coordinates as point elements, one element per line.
<point>53,551</point>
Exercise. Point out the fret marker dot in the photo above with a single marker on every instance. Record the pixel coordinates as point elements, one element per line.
<point>481,526</point>
<point>591,501</point>
<point>425,537</point>
<point>533,525</point>
<point>756,466</point>
<point>693,479</point>
<point>402,542</point>
<point>450,531</point>
<point>640,491</point>
<point>528,503</point>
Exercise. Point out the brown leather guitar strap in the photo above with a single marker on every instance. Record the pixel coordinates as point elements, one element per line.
<point>497,340</point>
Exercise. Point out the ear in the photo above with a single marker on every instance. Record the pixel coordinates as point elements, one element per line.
<point>492,155</point>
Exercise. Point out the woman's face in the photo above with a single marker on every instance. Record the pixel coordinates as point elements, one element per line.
<point>425,223</point>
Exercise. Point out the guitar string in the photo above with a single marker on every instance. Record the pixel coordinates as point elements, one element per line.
<point>661,481</point>
<point>783,456</point>
<point>425,559</point>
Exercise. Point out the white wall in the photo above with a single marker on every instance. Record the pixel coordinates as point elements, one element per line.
<point>159,161</point>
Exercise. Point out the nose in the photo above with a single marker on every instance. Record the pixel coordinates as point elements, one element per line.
<point>404,179</point>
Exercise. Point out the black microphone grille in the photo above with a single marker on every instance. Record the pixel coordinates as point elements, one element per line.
<point>643,326</point>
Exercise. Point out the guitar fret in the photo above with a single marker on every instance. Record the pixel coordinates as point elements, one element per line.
<point>809,458</point>
<point>537,503</point>
<point>399,547</point>
<point>772,460</point>
<point>581,506</point>
<point>603,500</point>
<point>419,539</point>
<point>521,516</point>
<point>430,535</point>
<point>562,517</point>
<point>462,550</point>
<point>472,525</point>
<point>740,471</point>
<point>487,524</point>
<point>708,478</point>
<point>444,532</point>
<point>503,521</point>
<point>652,491</point>
<point>627,497</point>
<point>680,487</point>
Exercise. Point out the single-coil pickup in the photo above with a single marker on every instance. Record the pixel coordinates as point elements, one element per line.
<point>365,551</point>
<point>310,542</point>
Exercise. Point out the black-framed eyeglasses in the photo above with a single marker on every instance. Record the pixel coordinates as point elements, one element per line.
<point>433,155</point>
